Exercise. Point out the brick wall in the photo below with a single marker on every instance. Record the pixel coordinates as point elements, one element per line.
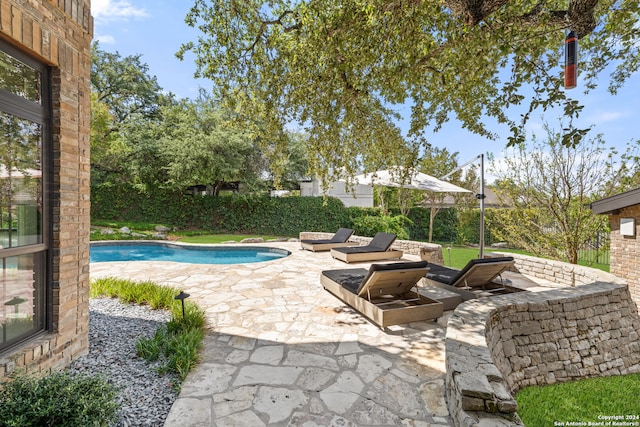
<point>625,250</point>
<point>59,33</point>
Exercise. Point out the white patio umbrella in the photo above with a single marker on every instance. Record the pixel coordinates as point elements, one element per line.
<point>416,181</point>
<point>413,180</point>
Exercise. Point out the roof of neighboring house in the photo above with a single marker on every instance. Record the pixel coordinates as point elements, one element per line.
<point>612,204</point>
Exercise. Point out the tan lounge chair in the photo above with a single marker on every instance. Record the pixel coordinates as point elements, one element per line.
<point>384,293</point>
<point>339,239</point>
<point>480,277</point>
<point>378,249</point>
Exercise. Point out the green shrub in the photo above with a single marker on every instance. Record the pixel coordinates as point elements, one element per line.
<point>177,343</point>
<point>259,214</point>
<point>193,318</point>
<point>182,351</point>
<point>157,297</point>
<point>238,213</point>
<point>151,348</point>
<point>444,224</point>
<point>370,225</point>
<point>60,399</point>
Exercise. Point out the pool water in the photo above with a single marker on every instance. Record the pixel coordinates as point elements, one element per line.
<point>186,254</point>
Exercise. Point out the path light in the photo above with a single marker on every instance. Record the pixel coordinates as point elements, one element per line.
<point>182,296</point>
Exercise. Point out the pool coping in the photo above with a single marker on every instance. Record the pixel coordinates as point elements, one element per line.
<point>194,246</point>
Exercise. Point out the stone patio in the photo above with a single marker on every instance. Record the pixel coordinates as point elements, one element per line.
<point>283,351</point>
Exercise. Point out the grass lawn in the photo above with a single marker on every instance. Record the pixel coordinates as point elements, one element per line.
<point>218,238</point>
<point>582,401</point>
<point>458,256</point>
<point>148,229</point>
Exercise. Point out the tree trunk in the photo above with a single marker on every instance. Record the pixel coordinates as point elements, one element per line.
<point>432,215</point>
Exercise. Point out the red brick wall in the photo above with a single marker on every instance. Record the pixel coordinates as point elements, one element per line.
<point>625,251</point>
<point>59,33</point>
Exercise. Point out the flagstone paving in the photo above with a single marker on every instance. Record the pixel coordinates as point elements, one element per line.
<point>282,351</point>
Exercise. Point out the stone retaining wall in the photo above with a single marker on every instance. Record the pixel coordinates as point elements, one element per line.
<point>561,273</point>
<point>427,251</point>
<point>496,346</point>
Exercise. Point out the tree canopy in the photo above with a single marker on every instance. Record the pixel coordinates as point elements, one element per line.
<point>340,67</point>
<point>124,85</point>
<point>141,136</point>
<point>548,188</point>
<point>125,109</point>
<point>200,147</point>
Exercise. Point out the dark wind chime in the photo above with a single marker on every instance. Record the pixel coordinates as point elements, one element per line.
<point>570,60</point>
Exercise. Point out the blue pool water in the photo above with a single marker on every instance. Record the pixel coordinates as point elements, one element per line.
<point>190,254</point>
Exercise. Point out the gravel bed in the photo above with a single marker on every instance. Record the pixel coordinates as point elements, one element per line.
<point>114,328</point>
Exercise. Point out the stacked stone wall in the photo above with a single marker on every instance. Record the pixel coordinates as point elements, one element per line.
<point>59,33</point>
<point>496,346</point>
<point>558,272</point>
<point>430,252</point>
<point>566,334</point>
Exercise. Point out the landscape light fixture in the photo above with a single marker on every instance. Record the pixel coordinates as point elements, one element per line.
<point>182,296</point>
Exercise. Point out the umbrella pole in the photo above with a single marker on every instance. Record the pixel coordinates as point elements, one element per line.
<point>481,196</point>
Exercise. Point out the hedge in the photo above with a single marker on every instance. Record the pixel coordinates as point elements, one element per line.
<point>224,214</point>
<point>262,214</point>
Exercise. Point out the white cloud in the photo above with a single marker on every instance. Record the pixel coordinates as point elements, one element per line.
<point>610,116</point>
<point>109,10</point>
<point>104,39</point>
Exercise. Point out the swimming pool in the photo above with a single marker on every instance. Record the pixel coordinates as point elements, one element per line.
<point>161,251</point>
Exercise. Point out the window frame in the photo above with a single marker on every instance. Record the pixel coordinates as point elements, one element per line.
<point>40,113</point>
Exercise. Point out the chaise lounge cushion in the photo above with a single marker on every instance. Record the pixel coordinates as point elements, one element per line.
<point>340,236</point>
<point>339,239</point>
<point>384,293</point>
<point>379,248</point>
<point>477,272</point>
<point>355,279</point>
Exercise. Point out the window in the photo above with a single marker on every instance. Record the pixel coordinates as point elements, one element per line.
<point>24,237</point>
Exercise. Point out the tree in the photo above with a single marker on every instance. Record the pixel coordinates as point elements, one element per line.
<point>546,188</point>
<point>125,111</point>
<point>124,85</point>
<point>203,147</point>
<point>438,162</point>
<point>287,167</point>
<point>338,68</point>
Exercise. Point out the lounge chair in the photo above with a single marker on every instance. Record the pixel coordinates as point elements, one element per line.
<point>339,239</point>
<point>480,277</point>
<point>383,293</point>
<point>379,248</point>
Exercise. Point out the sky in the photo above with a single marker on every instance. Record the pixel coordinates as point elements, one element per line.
<point>155,29</point>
